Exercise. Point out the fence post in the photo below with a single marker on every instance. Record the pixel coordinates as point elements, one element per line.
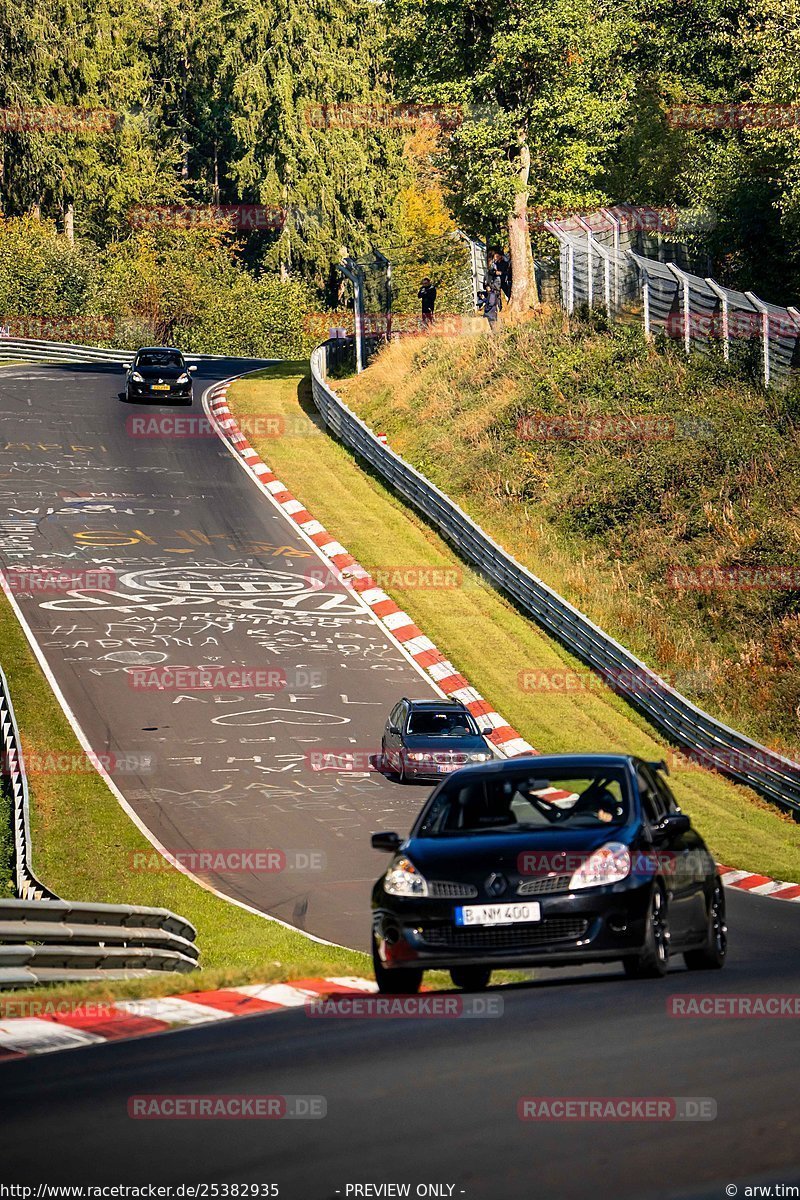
<point>684,283</point>
<point>477,261</point>
<point>762,308</point>
<point>722,296</point>
<point>617,225</point>
<point>352,271</point>
<point>384,262</point>
<point>589,262</point>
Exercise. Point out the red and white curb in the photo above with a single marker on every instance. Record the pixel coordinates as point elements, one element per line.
<point>759,885</point>
<point>399,624</point>
<point>92,1022</point>
<point>508,742</point>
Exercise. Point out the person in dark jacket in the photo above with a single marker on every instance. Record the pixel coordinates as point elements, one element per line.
<point>491,304</point>
<point>427,295</point>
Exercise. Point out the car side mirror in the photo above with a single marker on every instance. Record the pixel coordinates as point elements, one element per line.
<point>672,825</point>
<point>486,729</point>
<point>127,366</point>
<point>192,368</point>
<point>385,841</point>
<point>392,729</point>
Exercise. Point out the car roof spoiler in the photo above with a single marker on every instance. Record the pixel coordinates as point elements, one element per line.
<point>660,766</point>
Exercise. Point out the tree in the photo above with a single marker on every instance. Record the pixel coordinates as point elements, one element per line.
<point>542,87</point>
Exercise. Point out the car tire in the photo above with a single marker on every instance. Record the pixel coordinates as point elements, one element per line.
<point>712,956</point>
<point>653,960</point>
<point>471,979</point>
<point>402,981</point>
<point>386,765</point>
<point>401,774</point>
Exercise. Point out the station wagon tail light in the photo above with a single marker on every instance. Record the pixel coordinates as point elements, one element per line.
<point>610,864</point>
<point>403,879</point>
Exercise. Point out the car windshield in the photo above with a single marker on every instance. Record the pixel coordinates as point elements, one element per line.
<point>159,358</point>
<point>444,723</point>
<point>528,802</point>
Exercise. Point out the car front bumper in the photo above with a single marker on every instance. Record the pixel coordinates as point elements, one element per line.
<point>145,391</point>
<point>588,925</point>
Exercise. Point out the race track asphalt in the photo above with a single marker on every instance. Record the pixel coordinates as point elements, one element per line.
<point>201,569</point>
<point>434,1100</point>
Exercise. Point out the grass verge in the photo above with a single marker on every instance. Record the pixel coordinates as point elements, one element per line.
<point>83,846</point>
<point>483,634</point>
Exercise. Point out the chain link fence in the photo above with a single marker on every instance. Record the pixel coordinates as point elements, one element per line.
<point>607,260</point>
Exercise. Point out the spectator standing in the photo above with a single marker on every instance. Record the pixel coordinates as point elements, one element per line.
<point>427,296</point>
<point>491,304</point>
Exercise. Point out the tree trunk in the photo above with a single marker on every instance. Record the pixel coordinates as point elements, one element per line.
<point>524,294</point>
<point>69,221</point>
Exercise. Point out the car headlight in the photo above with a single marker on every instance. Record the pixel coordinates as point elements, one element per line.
<point>136,377</point>
<point>403,879</point>
<point>480,756</point>
<point>609,864</point>
<point>420,756</point>
<point>184,378</point>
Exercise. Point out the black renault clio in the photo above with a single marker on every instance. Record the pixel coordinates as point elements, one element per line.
<point>550,861</point>
<point>160,375</point>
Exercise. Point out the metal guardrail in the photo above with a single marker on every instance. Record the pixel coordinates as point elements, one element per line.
<point>38,350</point>
<point>708,741</point>
<point>15,783</point>
<point>600,266</point>
<point>44,939</point>
<point>87,941</point>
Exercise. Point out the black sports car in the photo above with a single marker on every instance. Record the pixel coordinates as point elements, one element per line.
<point>550,861</point>
<point>160,375</point>
<point>425,739</point>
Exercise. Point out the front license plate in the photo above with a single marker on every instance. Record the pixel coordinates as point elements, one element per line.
<point>160,387</point>
<point>498,914</point>
<point>443,768</point>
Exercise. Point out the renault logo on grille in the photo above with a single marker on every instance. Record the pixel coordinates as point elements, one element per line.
<point>496,884</point>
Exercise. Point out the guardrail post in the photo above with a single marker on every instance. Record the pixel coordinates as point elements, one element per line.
<point>762,308</point>
<point>722,296</point>
<point>687,316</point>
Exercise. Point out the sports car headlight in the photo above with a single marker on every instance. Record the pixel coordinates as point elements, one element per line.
<point>480,756</point>
<point>609,864</point>
<point>136,377</point>
<point>184,378</point>
<point>403,879</point>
